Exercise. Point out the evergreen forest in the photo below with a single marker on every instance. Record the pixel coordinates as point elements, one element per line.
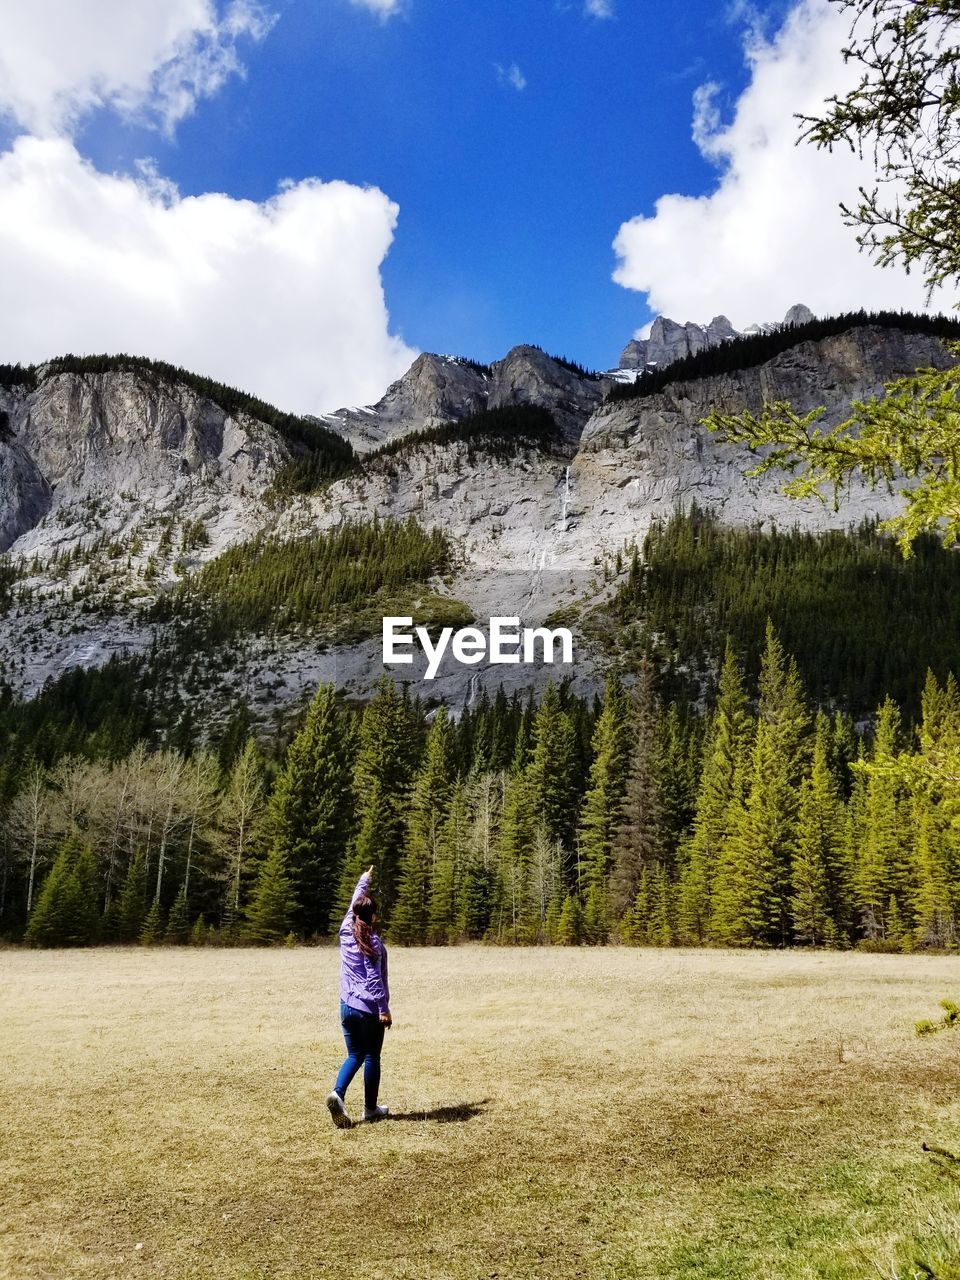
<point>336,584</point>
<point>860,620</point>
<point>755,820</point>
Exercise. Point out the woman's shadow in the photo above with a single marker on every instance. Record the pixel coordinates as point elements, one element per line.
<point>455,1114</point>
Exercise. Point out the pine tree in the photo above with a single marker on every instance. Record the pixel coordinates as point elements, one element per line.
<point>638,841</point>
<point>308,815</point>
<point>661,913</point>
<point>881,837</point>
<point>936,881</point>
<point>722,782</point>
<point>602,803</point>
<point>267,917</point>
<point>812,921</point>
<point>820,889</point>
<point>65,913</point>
<point>746,902</point>
<point>381,777</point>
<point>133,899</point>
<point>636,923</point>
<point>551,772</point>
<point>178,922</point>
<point>447,905</point>
<point>479,889</point>
<point>519,915</point>
<point>570,923</point>
<point>151,931</point>
<point>428,806</point>
<point>678,772</point>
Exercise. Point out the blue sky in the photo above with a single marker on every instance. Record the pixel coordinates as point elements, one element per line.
<point>547,175</point>
<point>509,200</point>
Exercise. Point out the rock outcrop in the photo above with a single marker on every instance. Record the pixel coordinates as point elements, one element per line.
<point>527,376</point>
<point>437,389</point>
<point>670,341</point>
<point>127,442</point>
<point>434,389</point>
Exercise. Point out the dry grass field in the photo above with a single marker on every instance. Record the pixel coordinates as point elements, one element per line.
<point>601,1114</point>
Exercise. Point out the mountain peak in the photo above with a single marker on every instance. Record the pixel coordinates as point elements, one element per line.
<point>670,341</point>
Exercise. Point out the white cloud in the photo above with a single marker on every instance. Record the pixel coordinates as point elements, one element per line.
<point>598,8</point>
<point>771,234</point>
<point>151,59</point>
<point>382,8</point>
<point>283,298</point>
<point>511,77</point>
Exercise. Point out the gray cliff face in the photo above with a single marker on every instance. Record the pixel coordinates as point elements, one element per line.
<point>25,495</point>
<point>108,431</point>
<point>130,443</point>
<point>642,458</point>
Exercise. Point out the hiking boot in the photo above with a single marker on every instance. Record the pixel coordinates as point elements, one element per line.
<point>338,1112</point>
<point>378,1113</point>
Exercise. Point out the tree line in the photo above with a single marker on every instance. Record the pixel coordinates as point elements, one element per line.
<point>755,822</point>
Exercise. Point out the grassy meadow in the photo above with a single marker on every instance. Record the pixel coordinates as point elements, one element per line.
<point>604,1114</point>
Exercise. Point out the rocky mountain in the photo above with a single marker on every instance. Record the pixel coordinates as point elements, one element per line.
<point>434,389</point>
<point>116,485</point>
<point>670,341</point>
<point>437,389</point>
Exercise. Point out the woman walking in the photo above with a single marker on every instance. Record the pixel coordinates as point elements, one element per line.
<point>364,1004</point>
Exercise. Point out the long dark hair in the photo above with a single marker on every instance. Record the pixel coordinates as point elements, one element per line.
<point>364,909</point>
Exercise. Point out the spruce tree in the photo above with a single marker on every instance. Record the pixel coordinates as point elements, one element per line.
<point>820,901</point>
<point>936,883</point>
<point>309,812</point>
<point>722,782</point>
<point>746,903</point>
<point>662,931</point>
<point>381,777</point>
<point>65,913</point>
<point>551,771</point>
<point>267,917</point>
<point>426,814</point>
<point>447,916</point>
<point>812,921</point>
<point>133,899</point>
<point>600,814</point>
<point>881,836</point>
<point>635,926</point>
<point>519,916</point>
<point>638,841</point>
<point>151,931</point>
<point>178,922</point>
<point>569,925</point>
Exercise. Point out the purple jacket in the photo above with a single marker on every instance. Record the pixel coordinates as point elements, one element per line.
<point>363,982</point>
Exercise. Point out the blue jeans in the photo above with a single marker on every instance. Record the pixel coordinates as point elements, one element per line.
<point>363,1033</point>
